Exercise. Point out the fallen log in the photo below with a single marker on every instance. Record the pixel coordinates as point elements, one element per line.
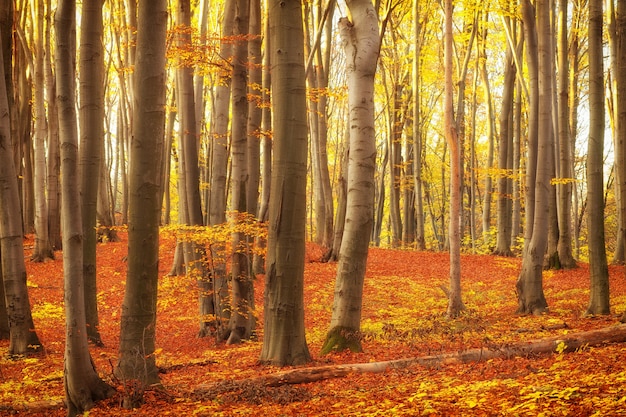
<point>564,343</point>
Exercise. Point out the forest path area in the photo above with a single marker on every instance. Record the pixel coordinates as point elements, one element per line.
<point>403,317</point>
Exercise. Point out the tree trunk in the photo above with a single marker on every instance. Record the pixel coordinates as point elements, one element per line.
<point>242,321</point>
<point>258,262</point>
<point>253,128</point>
<point>43,249</point>
<point>559,344</point>
<point>564,187</point>
<point>6,31</point>
<point>54,161</point>
<point>83,386</point>
<point>91,68</point>
<point>138,320</point>
<point>361,43</point>
<point>219,166</point>
<point>530,281</point>
<point>619,66</point>
<point>599,302</point>
<point>505,151</point>
<point>284,341</point>
<point>23,338</point>
<point>420,240</point>
<point>455,303</point>
<point>195,255</point>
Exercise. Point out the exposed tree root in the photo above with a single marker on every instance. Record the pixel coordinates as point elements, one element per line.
<point>565,343</point>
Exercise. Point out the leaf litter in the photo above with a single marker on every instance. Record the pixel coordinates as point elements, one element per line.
<point>403,316</point>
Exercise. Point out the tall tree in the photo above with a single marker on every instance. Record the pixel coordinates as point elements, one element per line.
<point>83,386</point>
<point>6,39</point>
<point>598,268</point>
<point>43,249</point>
<point>564,149</point>
<point>23,338</point>
<point>420,239</point>
<point>190,202</point>
<point>138,320</point>
<point>361,43</point>
<point>284,341</point>
<point>54,161</point>
<point>531,299</point>
<point>505,160</point>
<point>218,286</point>
<point>242,321</point>
<point>455,303</point>
<point>91,118</point>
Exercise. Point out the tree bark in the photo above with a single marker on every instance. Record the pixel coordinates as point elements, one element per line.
<point>530,281</point>
<point>138,320</point>
<point>420,239</point>
<point>284,341</point>
<point>91,112</point>
<point>83,386</point>
<point>505,152</point>
<point>455,303</point>
<point>23,338</point>
<point>43,249</point>
<point>361,42</point>
<point>564,187</point>
<point>599,302</point>
<point>560,344</point>
<point>242,322</point>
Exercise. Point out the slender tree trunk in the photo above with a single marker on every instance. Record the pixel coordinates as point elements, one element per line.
<point>6,40</point>
<point>598,268</point>
<point>253,127</point>
<point>361,42</point>
<point>138,320</point>
<point>503,241</point>
<point>284,341</point>
<point>219,167</point>
<point>23,338</point>
<point>91,68</point>
<point>455,303</point>
<point>83,386</point>
<point>420,240</point>
<point>564,187</point>
<point>43,249</point>
<point>242,321</point>
<point>54,161</point>
<point>258,266</point>
<point>530,281</point>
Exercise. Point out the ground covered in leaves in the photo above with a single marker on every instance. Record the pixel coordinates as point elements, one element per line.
<point>403,316</point>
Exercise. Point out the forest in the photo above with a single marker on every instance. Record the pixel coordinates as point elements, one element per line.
<point>230,206</point>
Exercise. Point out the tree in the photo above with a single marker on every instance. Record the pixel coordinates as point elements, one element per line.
<point>318,71</point>
<point>284,341</point>
<point>43,248</point>
<point>218,286</point>
<point>138,320</point>
<point>505,160</point>
<point>598,268</point>
<point>455,303</point>
<point>241,324</point>
<point>564,149</point>
<point>91,118</point>
<point>531,299</point>
<point>190,202</point>
<point>83,386</point>
<point>361,43</point>
<point>420,240</point>
<point>23,338</point>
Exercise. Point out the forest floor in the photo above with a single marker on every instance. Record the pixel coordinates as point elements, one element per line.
<point>403,316</point>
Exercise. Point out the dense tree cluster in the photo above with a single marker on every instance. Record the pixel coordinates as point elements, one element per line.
<point>486,127</point>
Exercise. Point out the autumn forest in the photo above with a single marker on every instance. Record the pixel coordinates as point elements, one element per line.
<point>312,207</point>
